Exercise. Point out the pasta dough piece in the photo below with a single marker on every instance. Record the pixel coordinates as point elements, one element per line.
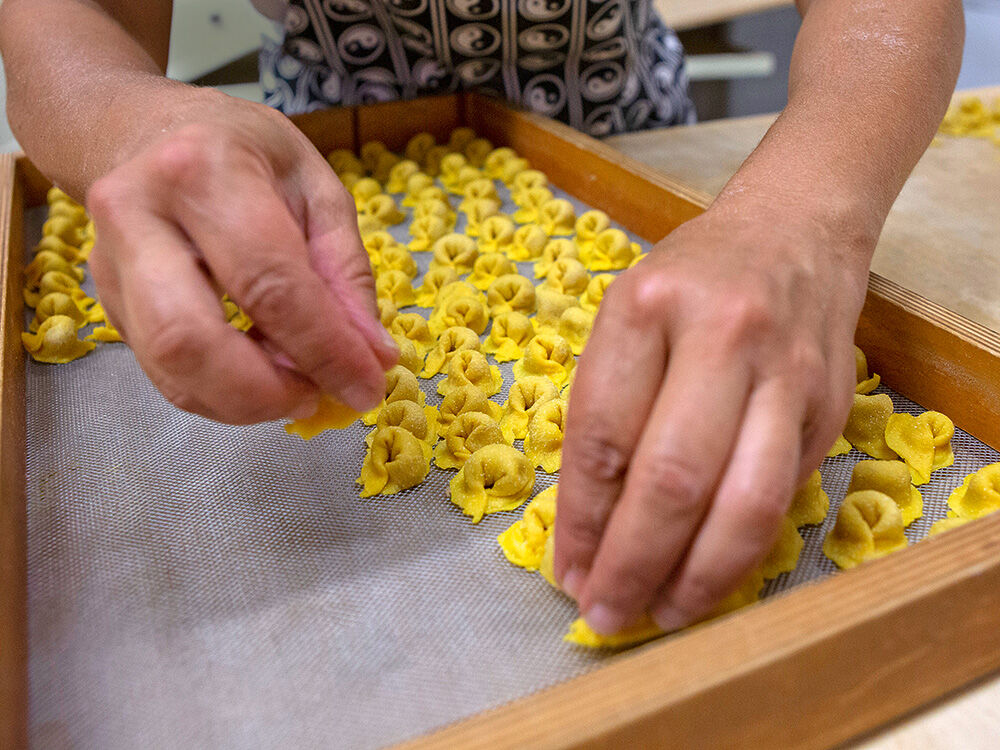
<point>462,400</point>
<point>467,433</point>
<point>524,181</point>
<point>397,258</point>
<point>56,341</point>
<point>923,442</point>
<point>476,213</point>
<point>588,226</point>
<point>496,234</point>
<point>865,428</point>
<point>477,150</point>
<point>543,444</point>
<point>66,252</point>
<point>387,311</point>
<point>48,260</point>
<point>526,396</point>
<point>417,147</point>
<point>547,354</point>
<point>784,555</point>
<point>510,333</point>
<point>451,341</point>
<point>364,190</point>
<point>527,244</point>
<point>107,334</point>
<point>865,384</point>
<point>343,161</point>
<point>890,478</point>
<point>465,176</point>
<point>470,367</point>
<point>594,294</point>
<point>370,152</point>
<point>611,250</point>
<point>488,267</point>
<point>575,325</point>
<point>839,448</point>
<point>460,311</point>
<point>581,634</point>
<point>460,138</point>
<point>57,281</point>
<point>495,159</point>
<point>432,283</point>
<point>530,204</point>
<point>395,461</point>
<point>400,385</point>
<point>557,217</point>
<point>330,415</point>
<point>978,495</point>
<point>68,229</point>
<point>414,327</point>
<point>523,543</point>
<point>382,208</point>
<point>511,169</point>
<point>568,276</point>
<point>449,169</point>
<point>396,286</point>
<point>400,173</point>
<point>495,478</point>
<point>376,242</point>
<point>416,183</point>
<point>511,292</point>
<point>481,188</point>
<point>456,251</point>
<point>432,161</point>
<point>434,207</point>
<point>550,305</point>
<point>409,357</point>
<point>383,165</point>
<point>810,503</point>
<point>869,525</point>
<point>555,249</point>
<point>425,231</point>
<point>419,421</point>
<point>458,289</point>
<point>57,303</point>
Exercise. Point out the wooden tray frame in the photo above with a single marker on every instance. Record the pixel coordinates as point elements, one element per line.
<point>810,668</point>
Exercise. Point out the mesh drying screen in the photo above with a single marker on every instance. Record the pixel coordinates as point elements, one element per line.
<point>198,585</point>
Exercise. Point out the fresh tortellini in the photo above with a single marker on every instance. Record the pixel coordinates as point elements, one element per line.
<point>548,354</point>
<point>488,267</point>
<point>397,258</point>
<point>364,189</point>
<point>947,524</point>
<point>978,495</point>
<point>555,249</point>
<point>432,161</point>
<point>434,207</point>
<point>56,341</point>
<point>66,251</point>
<point>432,283</point>
<point>611,250</point>
<point>481,188</point>
<point>465,399</point>
<point>567,276</point>
<point>890,478</point>
<point>400,173</point>
<point>450,168</point>
<point>376,242</point>
<point>382,208</point>
<point>523,542</point>
<point>343,161</point>
<point>330,414</point>
<point>460,311</point>
<point>409,357</point>
<point>106,334</point>
<point>387,311</point>
<point>49,260</point>
<point>524,181</point>
<point>575,325</point>
<point>415,185</point>
<point>419,420</point>
<point>509,335</point>
<point>400,385</point>
<point>869,525</point>
<point>527,244</point>
<point>454,251</point>
<point>495,478</point>
<point>495,159</point>
<point>470,367</point>
<point>923,442</point>
<point>550,304</point>
<point>530,204</point>
<point>495,234</point>
<point>543,444</point>
<point>511,292</point>
<point>557,218</point>
<point>425,231</point>
<point>56,281</point>
<point>417,147</point>
<point>784,555</point>
<point>451,341</point>
<point>840,447</point>
<point>512,168</point>
<point>588,226</point>
<point>526,396</point>
<point>593,295</point>
<point>477,212</point>
<point>395,461</point>
<point>865,383</point>
<point>866,423</point>
<point>413,326</point>
<point>57,303</point>
<point>395,286</point>
<point>476,152</point>
<point>467,433</point>
<point>810,503</point>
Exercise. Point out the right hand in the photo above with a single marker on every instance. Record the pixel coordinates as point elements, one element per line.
<point>236,199</point>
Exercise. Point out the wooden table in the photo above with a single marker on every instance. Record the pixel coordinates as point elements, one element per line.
<point>687,14</point>
<point>942,239</point>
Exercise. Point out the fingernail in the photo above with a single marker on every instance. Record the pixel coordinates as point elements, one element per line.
<point>304,410</point>
<point>604,620</point>
<point>360,397</point>
<point>283,360</point>
<point>572,582</point>
<point>669,618</point>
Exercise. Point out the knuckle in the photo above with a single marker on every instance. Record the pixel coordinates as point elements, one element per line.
<point>671,486</point>
<point>599,456</point>
<point>107,195</point>
<point>174,349</point>
<point>265,292</point>
<point>697,592</point>
<point>643,296</point>
<point>182,158</point>
<point>806,361</point>
<point>747,315</point>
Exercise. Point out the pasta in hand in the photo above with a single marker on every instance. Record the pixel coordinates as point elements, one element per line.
<point>330,415</point>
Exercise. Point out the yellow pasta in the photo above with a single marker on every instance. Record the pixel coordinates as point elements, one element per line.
<point>364,190</point>
<point>477,150</point>
<point>343,161</point>
<point>432,283</point>
<point>456,251</point>
<point>524,181</point>
<point>467,433</point>
<point>449,169</point>
<point>543,444</point>
<point>432,161</point>
<point>512,168</point>
<point>593,295</point>
<point>494,161</point>
<point>57,303</point>
<point>978,495</point>
<point>947,524</point>
<point>784,555</point>
<point>56,341</point>
<point>511,293</point>
<point>526,396</point>
<point>869,525</point>
<point>555,249</point>
<point>397,258</point>
<point>45,261</point>
<point>839,448</point>
<point>416,183</point>
<point>567,276</point>
<point>383,164</point>
<point>417,147</point>
<point>923,442</point>
<point>371,152</point>
<point>527,243</point>
<point>477,212</point>
<point>65,228</point>
<point>810,503</point>
<point>387,311</point>
<point>550,305</point>
<point>548,354</point>
<point>610,250</point>
<point>557,217</point>
<point>400,174</point>
<point>400,385</point>
<point>470,367</point>
<point>459,289</point>
<point>396,286</point>
<point>467,398</point>
<point>495,234</point>
<point>866,423</point>
<point>425,231</point>
<point>376,242</point>
<point>57,281</point>
<point>330,415</point>
<point>488,267</point>
<point>509,335</point>
<point>575,325</point>
<point>434,207</point>
<point>495,478</point>
<point>235,315</point>
<point>588,226</point>
<point>523,542</point>
<point>451,341</point>
<point>67,252</point>
<point>865,384</point>
<point>890,478</point>
<point>420,421</point>
<point>530,204</point>
<point>459,311</point>
<point>481,188</point>
<point>409,357</point>
<point>414,327</point>
<point>395,461</point>
<point>460,138</point>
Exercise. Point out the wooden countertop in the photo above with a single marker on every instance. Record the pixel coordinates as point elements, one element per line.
<point>942,239</point>
<point>686,14</point>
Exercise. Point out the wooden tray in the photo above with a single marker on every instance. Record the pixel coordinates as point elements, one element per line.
<point>809,668</point>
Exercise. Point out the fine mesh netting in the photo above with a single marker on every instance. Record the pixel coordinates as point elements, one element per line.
<point>198,585</point>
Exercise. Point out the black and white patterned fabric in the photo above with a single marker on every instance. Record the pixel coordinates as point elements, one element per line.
<point>602,66</point>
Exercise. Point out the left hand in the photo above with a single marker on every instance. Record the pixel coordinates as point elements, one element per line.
<point>719,372</point>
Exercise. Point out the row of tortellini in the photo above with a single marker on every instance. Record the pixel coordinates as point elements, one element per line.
<point>52,288</point>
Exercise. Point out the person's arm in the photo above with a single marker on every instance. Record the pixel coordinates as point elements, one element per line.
<point>192,190</point>
<point>720,369</point>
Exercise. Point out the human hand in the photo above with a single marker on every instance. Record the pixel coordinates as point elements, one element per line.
<point>235,198</point>
<point>719,372</point>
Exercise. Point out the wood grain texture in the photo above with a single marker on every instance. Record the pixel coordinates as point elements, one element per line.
<point>687,14</point>
<point>940,239</point>
<point>329,129</point>
<point>394,123</point>
<point>13,522</point>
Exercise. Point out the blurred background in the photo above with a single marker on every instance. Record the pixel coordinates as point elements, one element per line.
<point>738,50</point>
